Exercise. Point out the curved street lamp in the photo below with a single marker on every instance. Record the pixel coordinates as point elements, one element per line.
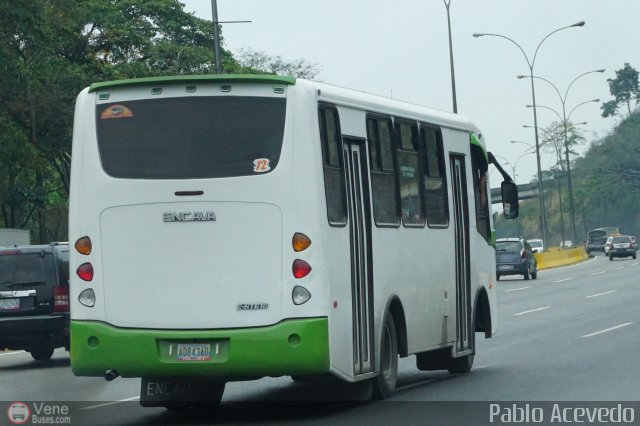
<point>565,119</point>
<point>531,64</point>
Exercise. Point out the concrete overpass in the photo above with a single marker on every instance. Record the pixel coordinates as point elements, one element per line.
<point>525,192</point>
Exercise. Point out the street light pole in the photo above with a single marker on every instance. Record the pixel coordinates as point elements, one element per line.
<point>216,34</point>
<point>453,76</point>
<point>531,64</point>
<point>565,119</point>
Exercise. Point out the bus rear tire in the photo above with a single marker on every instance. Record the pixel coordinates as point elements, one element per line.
<point>385,383</point>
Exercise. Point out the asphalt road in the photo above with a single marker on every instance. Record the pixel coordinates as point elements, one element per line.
<point>570,335</point>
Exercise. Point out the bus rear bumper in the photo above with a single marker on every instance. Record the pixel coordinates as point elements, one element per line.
<point>290,347</point>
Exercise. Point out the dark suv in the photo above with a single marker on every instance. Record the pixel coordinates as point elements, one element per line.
<point>514,256</point>
<point>34,298</point>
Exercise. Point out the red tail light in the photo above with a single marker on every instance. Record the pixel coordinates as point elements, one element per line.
<point>85,271</point>
<point>523,254</point>
<point>301,268</point>
<point>61,299</point>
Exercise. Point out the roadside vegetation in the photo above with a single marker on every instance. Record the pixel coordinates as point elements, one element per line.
<point>51,50</point>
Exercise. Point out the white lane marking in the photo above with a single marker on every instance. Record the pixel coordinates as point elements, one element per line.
<point>517,289</point>
<point>561,281</point>
<point>532,310</point>
<point>600,294</point>
<point>620,267</point>
<point>14,353</point>
<point>106,404</point>
<point>608,329</point>
<point>597,273</point>
<point>634,264</point>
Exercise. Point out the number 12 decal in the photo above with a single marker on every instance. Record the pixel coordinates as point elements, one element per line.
<point>261,165</point>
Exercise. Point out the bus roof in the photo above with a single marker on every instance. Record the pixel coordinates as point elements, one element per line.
<point>219,78</point>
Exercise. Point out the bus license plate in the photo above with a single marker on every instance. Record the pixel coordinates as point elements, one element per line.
<point>9,304</point>
<point>193,352</point>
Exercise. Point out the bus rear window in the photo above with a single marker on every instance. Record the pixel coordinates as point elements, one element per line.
<point>190,137</point>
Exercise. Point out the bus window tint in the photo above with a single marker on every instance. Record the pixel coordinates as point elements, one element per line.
<point>410,174</point>
<point>333,168</point>
<point>435,184</point>
<point>190,137</point>
<point>383,177</point>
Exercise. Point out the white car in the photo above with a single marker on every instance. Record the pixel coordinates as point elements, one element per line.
<point>537,245</point>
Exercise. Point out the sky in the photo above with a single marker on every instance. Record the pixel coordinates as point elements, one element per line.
<point>400,49</point>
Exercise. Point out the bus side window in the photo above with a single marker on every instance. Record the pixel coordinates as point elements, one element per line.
<point>479,168</point>
<point>410,173</point>
<point>334,185</point>
<point>435,183</point>
<point>383,171</point>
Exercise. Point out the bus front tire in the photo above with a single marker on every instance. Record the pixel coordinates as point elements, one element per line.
<point>385,382</point>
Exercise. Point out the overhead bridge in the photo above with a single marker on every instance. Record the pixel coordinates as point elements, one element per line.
<point>525,192</point>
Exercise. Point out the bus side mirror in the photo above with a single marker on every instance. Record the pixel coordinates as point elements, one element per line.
<point>509,200</point>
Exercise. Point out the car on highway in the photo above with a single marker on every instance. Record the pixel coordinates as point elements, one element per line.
<point>621,246</point>
<point>514,256</point>
<point>537,245</point>
<point>34,299</point>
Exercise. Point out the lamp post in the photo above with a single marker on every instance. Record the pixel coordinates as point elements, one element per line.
<point>531,64</point>
<point>514,165</point>
<point>216,33</point>
<point>565,118</point>
<point>453,76</point>
<point>565,123</point>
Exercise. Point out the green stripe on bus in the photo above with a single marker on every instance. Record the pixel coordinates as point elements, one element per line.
<point>291,347</point>
<point>204,78</point>
<point>475,141</point>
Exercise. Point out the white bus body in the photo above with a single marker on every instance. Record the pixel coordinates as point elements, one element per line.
<point>195,256</point>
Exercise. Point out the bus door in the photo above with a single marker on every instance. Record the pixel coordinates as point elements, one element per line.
<point>357,176</point>
<point>463,279</point>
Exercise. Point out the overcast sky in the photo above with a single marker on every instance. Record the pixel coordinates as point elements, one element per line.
<point>400,49</point>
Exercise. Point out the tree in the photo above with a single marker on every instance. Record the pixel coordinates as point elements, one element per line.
<point>625,89</point>
<point>262,62</point>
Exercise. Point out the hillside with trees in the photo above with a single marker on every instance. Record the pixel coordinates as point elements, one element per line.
<point>606,179</point>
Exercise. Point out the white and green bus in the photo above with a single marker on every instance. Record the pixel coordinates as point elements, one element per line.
<point>230,227</point>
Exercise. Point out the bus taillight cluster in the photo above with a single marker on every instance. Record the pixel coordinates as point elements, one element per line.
<point>85,271</point>
<point>300,268</point>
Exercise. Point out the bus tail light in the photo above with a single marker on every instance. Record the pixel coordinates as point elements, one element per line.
<point>83,246</point>
<point>87,297</point>
<point>85,271</point>
<point>300,295</point>
<point>61,299</point>
<point>300,268</point>
<point>300,242</point>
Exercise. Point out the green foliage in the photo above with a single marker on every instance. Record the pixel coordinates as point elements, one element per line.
<point>625,90</point>
<point>51,50</point>
<point>606,189</point>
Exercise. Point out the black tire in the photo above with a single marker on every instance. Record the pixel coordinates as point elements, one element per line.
<point>526,274</point>
<point>386,381</point>
<point>42,353</point>
<point>610,257</point>
<point>534,274</point>
<point>633,256</point>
